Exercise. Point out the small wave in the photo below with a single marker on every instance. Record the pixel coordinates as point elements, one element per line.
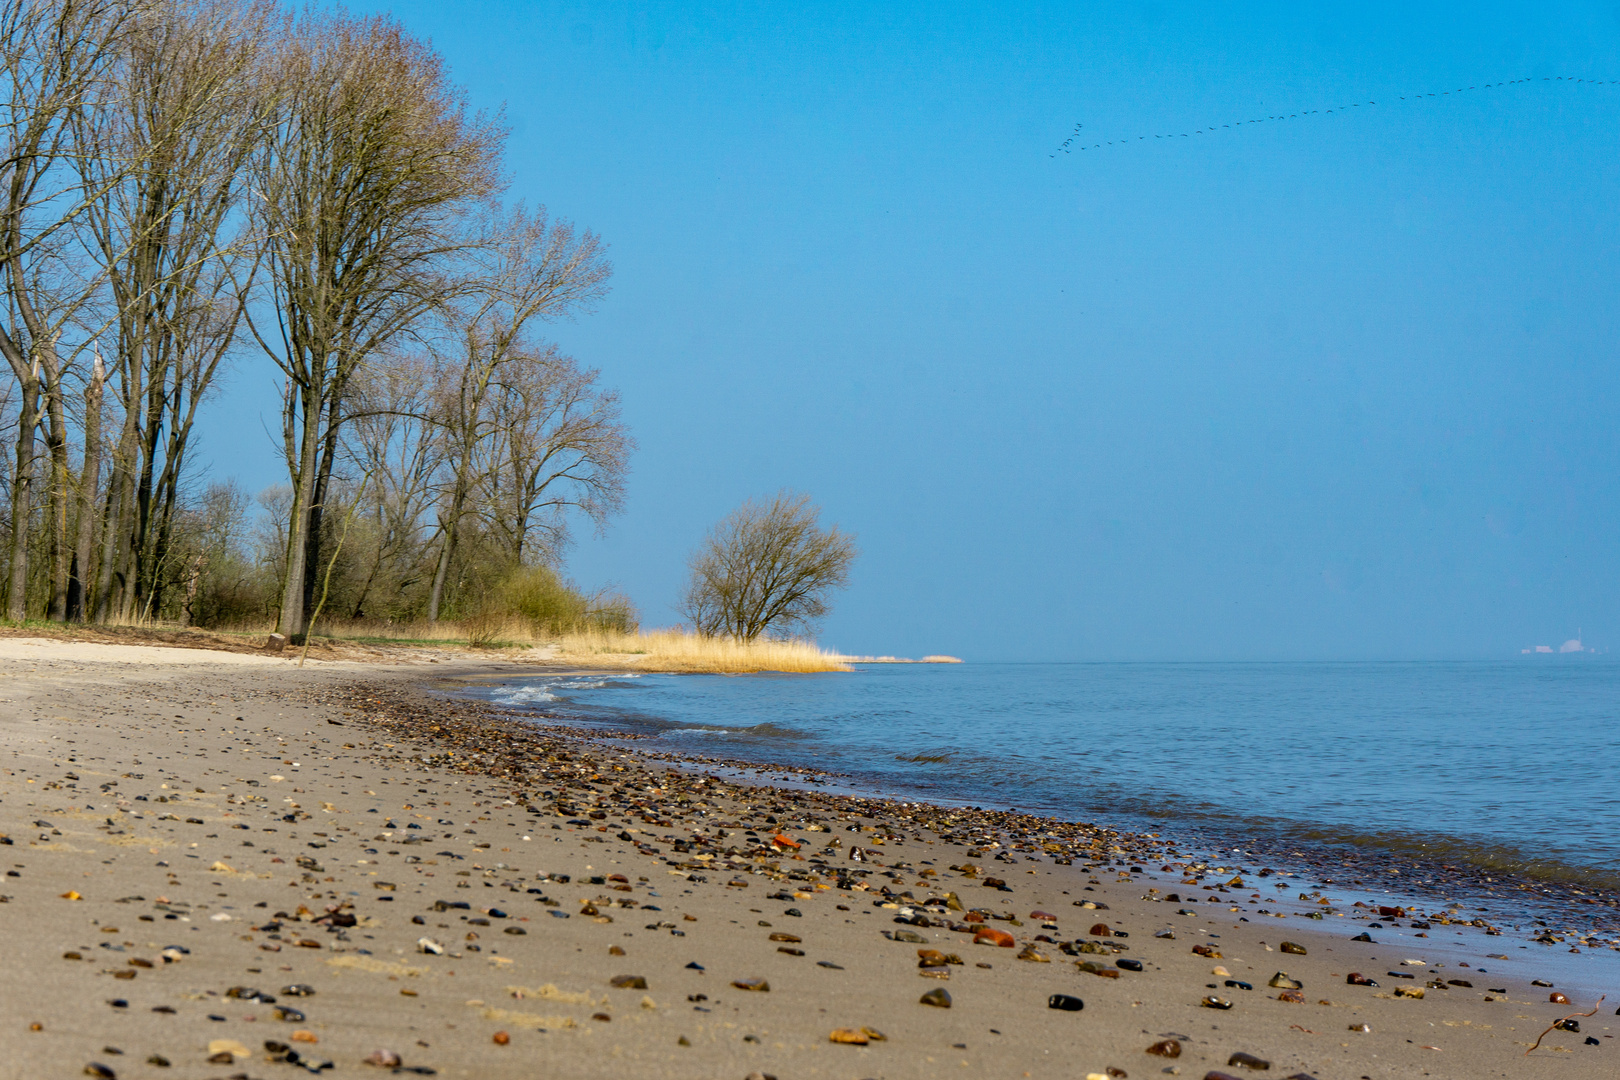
<point>523,695</point>
<point>766,730</point>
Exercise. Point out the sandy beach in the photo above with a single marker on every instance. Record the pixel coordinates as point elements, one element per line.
<point>222,865</point>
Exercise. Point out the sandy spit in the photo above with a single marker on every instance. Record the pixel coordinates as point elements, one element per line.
<point>184,823</point>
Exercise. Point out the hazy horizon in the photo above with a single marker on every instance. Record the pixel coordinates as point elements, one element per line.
<point>1339,387</point>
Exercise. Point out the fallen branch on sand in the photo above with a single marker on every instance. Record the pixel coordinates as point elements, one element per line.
<point>1560,1021</point>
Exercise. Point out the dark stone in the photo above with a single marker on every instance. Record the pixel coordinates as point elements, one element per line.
<point>1248,1061</point>
<point>1065,1002</point>
<point>1129,965</point>
<point>939,999</point>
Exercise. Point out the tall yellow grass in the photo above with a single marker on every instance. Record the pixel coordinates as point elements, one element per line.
<point>654,650</point>
<point>671,650</point>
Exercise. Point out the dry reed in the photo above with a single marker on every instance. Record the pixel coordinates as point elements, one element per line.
<point>672,650</point>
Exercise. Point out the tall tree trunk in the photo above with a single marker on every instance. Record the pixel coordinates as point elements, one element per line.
<point>79,597</point>
<point>22,489</point>
<point>291,623</point>
<point>60,491</point>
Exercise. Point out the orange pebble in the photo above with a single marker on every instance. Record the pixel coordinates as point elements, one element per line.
<point>304,1036</point>
<point>502,1038</point>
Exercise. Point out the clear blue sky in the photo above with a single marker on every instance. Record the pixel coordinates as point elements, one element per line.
<point>1342,386</point>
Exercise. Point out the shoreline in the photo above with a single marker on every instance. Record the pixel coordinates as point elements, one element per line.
<point>310,779</point>
<point>1584,901</point>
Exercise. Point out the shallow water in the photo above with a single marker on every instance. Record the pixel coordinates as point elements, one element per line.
<point>1514,765</point>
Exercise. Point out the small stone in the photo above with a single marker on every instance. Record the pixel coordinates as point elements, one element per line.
<point>1363,1028</point>
<point>628,982</point>
<point>939,999</point>
<point>1209,951</point>
<point>790,938</point>
<point>1219,971</point>
<point>1362,937</point>
<point>298,990</point>
<point>1129,965</point>
<point>1292,948</point>
<point>757,985</point>
<point>849,1036</point>
<point>603,1018</point>
<point>515,931</point>
<point>1248,1061</point>
<point>1356,978</point>
<point>1409,991</point>
<point>1215,1003</point>
<point>304,1036</point>
<point>1557,999</point>
<point>501,1038</point>
<point>910,937</point>
<point>96,1068</point>
<point>1281,981</point>
<point>986,935</point>
<point>159,1061</point>
<point>429,946</point>
<point>1101,930</point>
<point>1166,1048</point>
<point>1292,996</point>
<point>1460,982</point>
<point>292,1016</point>
<point>384,1059</point>
<point>227,1046</point>
<point>683,1041</point>
<point>1065,1003</point>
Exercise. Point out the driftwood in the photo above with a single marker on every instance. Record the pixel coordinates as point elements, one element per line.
<point>1555,1024</point>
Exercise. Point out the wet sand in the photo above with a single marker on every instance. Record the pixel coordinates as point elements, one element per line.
<point>282,853</point>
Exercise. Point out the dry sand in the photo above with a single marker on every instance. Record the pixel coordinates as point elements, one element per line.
<point>282,791</point>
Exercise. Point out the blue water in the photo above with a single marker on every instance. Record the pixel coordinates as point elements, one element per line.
<point>1513,765</point>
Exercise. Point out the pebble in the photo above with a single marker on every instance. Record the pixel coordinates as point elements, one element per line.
<point>1065,1002</point>
<point>1281,981</point>
<point>1248,1061</point>
<point>1292,949</point>
<point>1167,1048</point>
<point>500,1038</point>
<point>628,982</point>
<point>1356,978</point>
<point>1557,999</point>
<point>1215,1003</point>
<point>384,1059</point>
<point>939,999</point>
<point>1129,965</point>
<point>96,1068</point>
<point>759,985</point>
<point>850,1036</point>
<point>986,935</point>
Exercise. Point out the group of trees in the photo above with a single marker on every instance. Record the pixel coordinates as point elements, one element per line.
<point>192,185</point>
<point>187,186</point>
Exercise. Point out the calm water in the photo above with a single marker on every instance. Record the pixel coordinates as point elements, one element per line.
<point>1513,763</point>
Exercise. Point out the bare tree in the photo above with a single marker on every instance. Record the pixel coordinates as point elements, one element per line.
<point>531,268</point>
<point>395,439</point>
<point>363,191</point>
<point>767,567</point>
<point>170,146</point>
<point>559,445</point>
<point>54,56</point>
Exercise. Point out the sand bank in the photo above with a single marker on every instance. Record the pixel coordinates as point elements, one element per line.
<point>189,825</point>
